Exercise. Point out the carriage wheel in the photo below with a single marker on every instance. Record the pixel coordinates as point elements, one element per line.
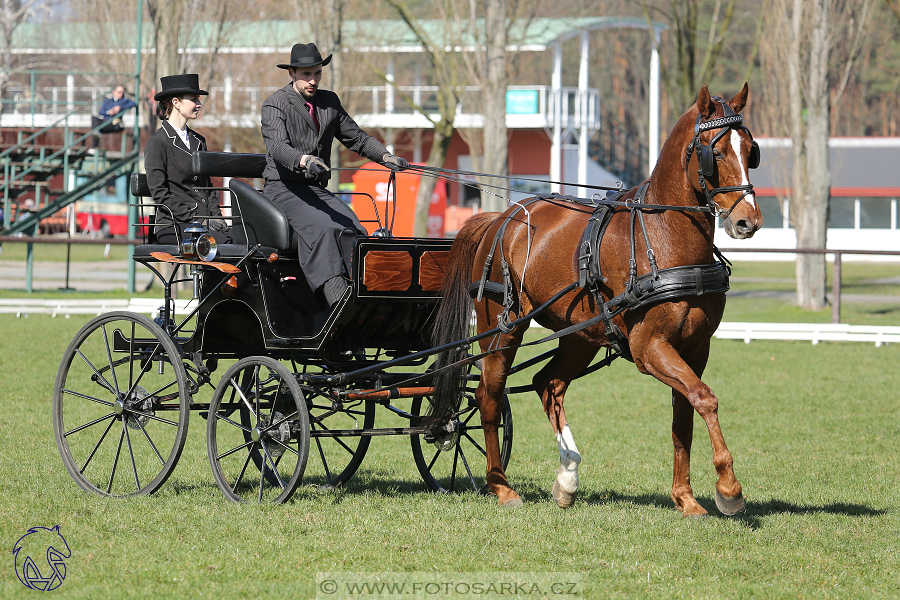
<point>457,461</point>
<point>121,403</point>
<point>336,452</point>
<point>258,414</point>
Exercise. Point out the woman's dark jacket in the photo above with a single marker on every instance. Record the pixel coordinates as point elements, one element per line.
<point>171,181</point>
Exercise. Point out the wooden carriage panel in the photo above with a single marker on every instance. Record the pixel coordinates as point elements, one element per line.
<point>387,271</point>
<point>433,270</point>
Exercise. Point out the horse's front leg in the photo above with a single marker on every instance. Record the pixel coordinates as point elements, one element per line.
<point>551,384</point>
<point>660,359</point>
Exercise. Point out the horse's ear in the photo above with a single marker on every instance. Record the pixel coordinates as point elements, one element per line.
<point>705,106</point>
<point>740,101</point>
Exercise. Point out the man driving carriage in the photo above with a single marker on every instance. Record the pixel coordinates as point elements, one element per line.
<point>299,124</point>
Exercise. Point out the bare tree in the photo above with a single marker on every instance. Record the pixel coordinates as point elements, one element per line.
<point>686,76</point>
<point>12,14</point>
<point>489,64</point>
<point>446,71</point>
<point>803,35</point>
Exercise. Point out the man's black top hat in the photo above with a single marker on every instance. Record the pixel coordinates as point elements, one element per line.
<point>305,55</point>
<point>176,85</point>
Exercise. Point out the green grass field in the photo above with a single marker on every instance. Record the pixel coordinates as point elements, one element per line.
<point>814,430</point>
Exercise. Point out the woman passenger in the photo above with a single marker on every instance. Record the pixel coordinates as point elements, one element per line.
<point>167,158</point>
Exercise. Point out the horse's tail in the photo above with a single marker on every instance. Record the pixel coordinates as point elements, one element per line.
<point>454,314</point>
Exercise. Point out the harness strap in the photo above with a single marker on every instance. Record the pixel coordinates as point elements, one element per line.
<point>489,261</point>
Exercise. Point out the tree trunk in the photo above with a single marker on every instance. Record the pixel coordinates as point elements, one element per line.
<point>332,43</point>
<point>810,133</point>
<point>443,133</point>
<point>496,139</point>
<point>167,21</point>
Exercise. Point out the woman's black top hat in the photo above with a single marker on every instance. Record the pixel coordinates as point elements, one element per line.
<point>176,85</point>
<point>305,55</point>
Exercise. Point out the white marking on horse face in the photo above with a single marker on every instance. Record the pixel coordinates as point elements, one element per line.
<point>736,146</point>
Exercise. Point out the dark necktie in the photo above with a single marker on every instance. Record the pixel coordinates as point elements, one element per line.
<point>312,113</point>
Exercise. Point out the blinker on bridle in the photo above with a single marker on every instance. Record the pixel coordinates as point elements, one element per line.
<point>706,159</point>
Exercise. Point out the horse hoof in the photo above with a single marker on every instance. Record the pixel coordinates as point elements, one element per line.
<point>514,503</point>
<point>729,506</point>
<point>697,516</point>
<point>563,498</point>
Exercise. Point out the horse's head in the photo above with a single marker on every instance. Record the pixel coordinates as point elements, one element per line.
<point>718,159</point>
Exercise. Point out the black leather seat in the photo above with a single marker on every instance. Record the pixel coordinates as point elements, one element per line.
<point>264,223</point>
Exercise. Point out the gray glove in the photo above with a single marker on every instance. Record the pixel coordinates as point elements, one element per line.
<point>218,225</point>
<point>314,165</point>
<point>395,163</point>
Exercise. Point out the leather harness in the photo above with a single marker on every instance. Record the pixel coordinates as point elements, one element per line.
<point>659,285</point>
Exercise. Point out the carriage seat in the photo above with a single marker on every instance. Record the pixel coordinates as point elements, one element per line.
<point>140,189</point>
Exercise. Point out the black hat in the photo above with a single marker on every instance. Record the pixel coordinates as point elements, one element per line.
<point>305,55</point>
<point>176,85</point>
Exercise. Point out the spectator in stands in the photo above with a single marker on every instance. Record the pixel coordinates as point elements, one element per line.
<point>110,112</point>
<point>167,157</point>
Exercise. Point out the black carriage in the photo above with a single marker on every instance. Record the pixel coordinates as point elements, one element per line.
<point>298,402</point>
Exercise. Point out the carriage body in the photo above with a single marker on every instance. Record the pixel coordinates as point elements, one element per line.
<point>288,371</point>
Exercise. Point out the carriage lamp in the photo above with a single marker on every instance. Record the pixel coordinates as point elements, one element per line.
<point>198,244</point>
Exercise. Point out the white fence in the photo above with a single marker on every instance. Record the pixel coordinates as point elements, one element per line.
<point>23,307</point>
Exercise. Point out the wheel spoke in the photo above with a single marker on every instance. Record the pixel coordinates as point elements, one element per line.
<point>274,468</point>
<point>466,465</point>
<point>131,361</point>
<point>256,400</point>
<point>116,461</point>
<point>97,445</point>
<point>474,443</point>
<point>434,459</point>
<point>283,445</point>
<point>238,425</point>
<point>86,425</point>
<point>240,392</point>
<point>109,357</point>
<point>233,450</point>
<point>152,445</point>
<point>91,398</point>
<point>152,416</point>
<point>453,472</point>
<point>324,461</point>
<point>101,379</point>
<point>279,422</point>
<point>243,470</point>
<point>262,477</point>
<point>137,481</point>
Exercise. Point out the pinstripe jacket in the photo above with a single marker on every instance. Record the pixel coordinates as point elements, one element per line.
<point>290,133</point>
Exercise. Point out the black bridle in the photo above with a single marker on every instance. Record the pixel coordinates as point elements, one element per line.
<point>706,160</point>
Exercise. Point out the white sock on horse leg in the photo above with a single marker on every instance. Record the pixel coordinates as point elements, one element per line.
<point>569,459</point>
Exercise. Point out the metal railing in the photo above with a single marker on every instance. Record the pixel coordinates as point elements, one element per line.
<point>836,283</point>
<point>32,93</point>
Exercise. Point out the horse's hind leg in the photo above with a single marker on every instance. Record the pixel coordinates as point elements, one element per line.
<point>689,393</point>
<point>551,383</point>
<point>494,371</point>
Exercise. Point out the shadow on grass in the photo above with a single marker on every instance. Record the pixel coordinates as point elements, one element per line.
<point>752,515</point>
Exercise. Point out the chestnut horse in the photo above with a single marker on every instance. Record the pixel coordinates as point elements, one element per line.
<point>704,163</point>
